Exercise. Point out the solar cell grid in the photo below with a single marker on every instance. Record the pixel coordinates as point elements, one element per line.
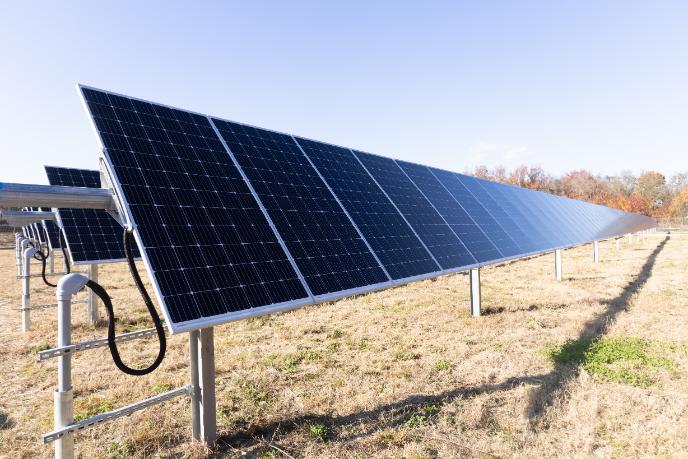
<point>209,248</point>
<point>525,243</point>
<point>428,224</point>
<point>492,229</point>
<point>92,235</point>
<point>451,211</point>
<point>526,216</point>
<point>398,248</point>
<point>323,241</point>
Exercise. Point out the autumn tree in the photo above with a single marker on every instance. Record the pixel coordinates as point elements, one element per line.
<point>652,186</point>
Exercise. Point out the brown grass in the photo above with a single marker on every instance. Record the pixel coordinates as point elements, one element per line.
<point>400,373</point>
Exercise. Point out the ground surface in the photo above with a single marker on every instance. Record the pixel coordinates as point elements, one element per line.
<point>594,366</point>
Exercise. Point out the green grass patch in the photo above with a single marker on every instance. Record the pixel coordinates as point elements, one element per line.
<point>624,360</point>
<point>442,365</point>
<point>318,432</point>
<point>93,410</point>
<point>40,348</point>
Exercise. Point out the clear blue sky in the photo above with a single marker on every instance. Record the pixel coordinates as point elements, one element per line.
<point>563,84</point>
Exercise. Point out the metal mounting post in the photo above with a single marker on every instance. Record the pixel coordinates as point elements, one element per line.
<point>194,337</point>
<point>596,251</point>
<point>475,292</point>
<point>630,238</point>
<point>67,287</point>
<point>557,265</point>
<point>206,425</point>
<point>26,288</point>
<point>618,244</point>
<point>92,305</point>
<point>18,238</point>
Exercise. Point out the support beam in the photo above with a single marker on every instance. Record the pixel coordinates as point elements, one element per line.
<point>49,196</point>
<point>475,292</point>
<point>557,265</point>
<point>18,238</point>
<point>51,263</point>
<point>26,288</point>
<point>92,305</point>
<point>618,243</point>
<point>67,287</point>
<point>194,337</point>
<point>206,379</point>
<point>596,251</point>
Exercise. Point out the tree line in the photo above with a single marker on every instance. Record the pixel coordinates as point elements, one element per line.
<point>649,193</point>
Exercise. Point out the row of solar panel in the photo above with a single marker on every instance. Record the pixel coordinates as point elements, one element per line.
<point>232,217</point>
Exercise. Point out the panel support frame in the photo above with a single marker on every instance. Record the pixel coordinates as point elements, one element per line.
<point>476,300</point>
<point>558,275</point>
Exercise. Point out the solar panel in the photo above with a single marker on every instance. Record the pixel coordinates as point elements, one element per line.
<point>524,217</point>
<point>473,237</point>
<point>526,243</point>
<point>438,237</point>
<point>492,229</point>
<point>53,234</point>
<point>209,248</point>
<point>400,251</point>
<point>236,221</point>
<point>323,241</point>
<point>92,235</point>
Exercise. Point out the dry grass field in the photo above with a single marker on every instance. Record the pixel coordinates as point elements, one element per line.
<point>594,366</point>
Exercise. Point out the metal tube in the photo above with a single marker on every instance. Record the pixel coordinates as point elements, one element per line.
<point>194,337</point>
<point>92,305</point>
<point>26,289</point>
<point>596,251</point>
<point>18,252</point>
<point>67,287</point>
<point>21,195</point>
<point>51,262</point>
<point>475,292</point>
<point>206,367</point>
<point>557,265</point>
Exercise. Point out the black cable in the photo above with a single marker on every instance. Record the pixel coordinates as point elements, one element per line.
<point>107,302</point>
<point>40,256</point>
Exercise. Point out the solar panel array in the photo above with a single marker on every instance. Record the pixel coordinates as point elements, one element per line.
<point>236,221</point>
<point>92,235</point>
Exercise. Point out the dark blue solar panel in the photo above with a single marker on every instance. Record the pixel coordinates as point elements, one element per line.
<point>399,250</point>
<point>207,243</point>
<point>525,216</point>
<point>53,234</point>
<point>526,243</point>
<point>330,253</point>
<point>458,219</point>
<point>428,224</point>
<point>92,235</point>
<point>492,229</point>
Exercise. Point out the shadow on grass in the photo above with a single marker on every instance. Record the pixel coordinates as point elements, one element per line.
<point>252,438</point>
<point>569,357</point>
<point>356,425</point>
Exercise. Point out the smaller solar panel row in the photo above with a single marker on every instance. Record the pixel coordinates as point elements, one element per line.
<point>92,235</point>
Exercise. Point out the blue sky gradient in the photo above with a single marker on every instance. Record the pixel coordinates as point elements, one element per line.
<point>566,85</point>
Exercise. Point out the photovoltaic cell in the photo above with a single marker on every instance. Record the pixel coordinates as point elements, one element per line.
<point>450,209</point>
<point>525,217</point>
<point>400,251</point>
<point>525,243</point>
<point>492,229</point>
<point>208,246</point>
<point>328,250</point>
<point>428,224</point>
